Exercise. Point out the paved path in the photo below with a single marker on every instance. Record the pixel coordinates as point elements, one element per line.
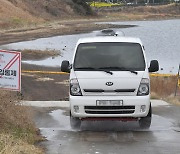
<point>66,103</point>
<point>108,137</point>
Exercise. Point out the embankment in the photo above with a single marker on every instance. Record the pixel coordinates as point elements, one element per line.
<point>18,13</point>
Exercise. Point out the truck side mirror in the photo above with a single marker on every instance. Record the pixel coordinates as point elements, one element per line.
<point>65,66</point>
<point>154,66</point>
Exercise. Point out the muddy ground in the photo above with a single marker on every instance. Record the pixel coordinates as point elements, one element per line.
<point>44,87</point>
<point>54,29</point>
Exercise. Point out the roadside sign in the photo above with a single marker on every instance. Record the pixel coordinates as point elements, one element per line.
<point>178,81</point>
<point>10,70</point>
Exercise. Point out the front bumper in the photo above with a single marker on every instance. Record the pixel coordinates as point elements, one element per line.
<point>82,102</point>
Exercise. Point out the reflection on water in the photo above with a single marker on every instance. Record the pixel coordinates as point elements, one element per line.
<point>161,40</point>
<point>62,122</point>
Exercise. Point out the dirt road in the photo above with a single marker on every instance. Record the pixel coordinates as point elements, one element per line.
<point>44,87</point>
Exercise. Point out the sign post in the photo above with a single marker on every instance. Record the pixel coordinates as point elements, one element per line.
<point>178,81</point>
<point>10,70</point>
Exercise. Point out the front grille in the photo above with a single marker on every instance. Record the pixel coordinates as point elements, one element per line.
<point>109,112</point>
<point>109,109</point>
<point>109,91</point>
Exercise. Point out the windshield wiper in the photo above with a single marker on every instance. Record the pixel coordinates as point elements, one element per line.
<point>120,69</point>
<point>132,71</point>
<point>95,69</point>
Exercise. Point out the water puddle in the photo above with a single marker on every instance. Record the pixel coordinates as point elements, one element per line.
<point>50,62</point>
<point>95,137</point>
<point>62,123</point>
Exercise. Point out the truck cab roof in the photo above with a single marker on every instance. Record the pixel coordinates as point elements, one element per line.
<point>110,39</point>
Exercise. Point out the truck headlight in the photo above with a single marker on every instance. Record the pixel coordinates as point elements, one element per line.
<point>75,89</point>
<point>143,87</point>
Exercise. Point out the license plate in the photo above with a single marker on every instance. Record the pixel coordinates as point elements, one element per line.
<point>109,102</point>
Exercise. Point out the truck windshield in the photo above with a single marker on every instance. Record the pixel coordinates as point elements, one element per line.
<point>110,56</point>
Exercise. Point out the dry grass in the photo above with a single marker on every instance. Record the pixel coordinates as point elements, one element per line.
<point>28,54</point>
<point>144,12</point>
<point>161,9</point>
<point>21,13</point>
<point>10,145</point>
<point>132,16</point>
<point>16,122</point>
<point>164,88</point>
<point>13,14</point>
<point>24,15</point>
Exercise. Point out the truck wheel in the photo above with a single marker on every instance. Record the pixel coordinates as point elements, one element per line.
<point>145,122</point>
<point>75,122</point>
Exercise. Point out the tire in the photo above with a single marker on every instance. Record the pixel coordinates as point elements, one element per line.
<point>145,122</point>
<point>75,122</point>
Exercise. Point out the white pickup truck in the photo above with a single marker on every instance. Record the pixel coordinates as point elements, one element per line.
<point>109,80</point>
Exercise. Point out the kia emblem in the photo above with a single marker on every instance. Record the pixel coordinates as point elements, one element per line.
<point>109,83</point>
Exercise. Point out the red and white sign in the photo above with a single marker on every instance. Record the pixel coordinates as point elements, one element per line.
<point>10,70</point>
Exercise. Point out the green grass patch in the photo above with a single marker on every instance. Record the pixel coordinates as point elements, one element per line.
<point>103,4</point>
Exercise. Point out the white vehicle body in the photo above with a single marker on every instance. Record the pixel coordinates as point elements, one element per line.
<point>112,94</point>
<point>98,80</point>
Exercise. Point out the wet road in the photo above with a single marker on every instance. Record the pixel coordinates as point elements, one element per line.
<point>110,137</point>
